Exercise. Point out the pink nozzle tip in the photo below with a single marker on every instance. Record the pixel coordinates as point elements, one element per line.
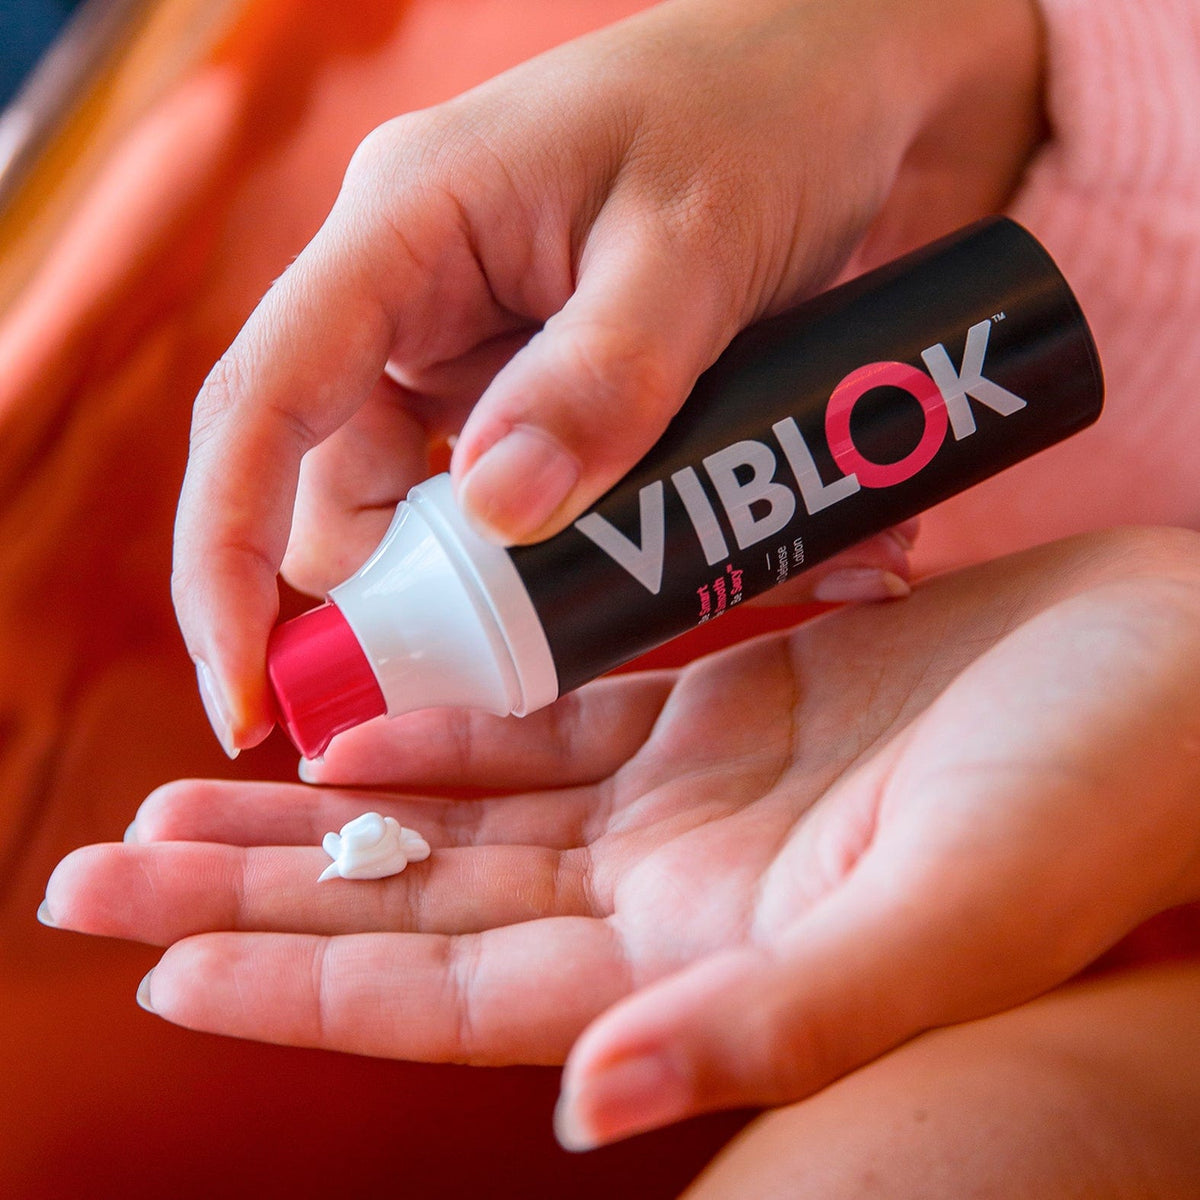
<point>322,681</point>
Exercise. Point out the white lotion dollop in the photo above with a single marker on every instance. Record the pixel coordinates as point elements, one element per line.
<point>372,847</point>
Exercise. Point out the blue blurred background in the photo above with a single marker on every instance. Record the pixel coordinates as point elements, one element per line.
<point>27,27</point>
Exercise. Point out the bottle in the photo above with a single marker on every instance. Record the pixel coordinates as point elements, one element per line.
<point>814,430</point>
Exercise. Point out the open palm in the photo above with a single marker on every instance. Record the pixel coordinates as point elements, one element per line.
<point>757,873</point>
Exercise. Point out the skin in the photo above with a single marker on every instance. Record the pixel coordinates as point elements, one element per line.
<point>1081,1095</point>
<point>735,860</point>
<point>546,264</point>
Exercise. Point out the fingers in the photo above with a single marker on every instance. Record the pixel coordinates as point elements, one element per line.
<point>582,738</point>
<point>516,994</point>
<point>348,489</point>
<point>878,568</point>
<point>264,405</point>
<point>171,890</point>
<point>592,392</point>
<point>351,482</point>
<point>271,814</point>
<point>304,363</point>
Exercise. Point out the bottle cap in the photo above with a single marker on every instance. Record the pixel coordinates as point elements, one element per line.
<point>321,678</point>
<point>436,617</point>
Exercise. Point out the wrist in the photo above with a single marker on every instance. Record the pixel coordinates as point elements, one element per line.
<point>978,74</point>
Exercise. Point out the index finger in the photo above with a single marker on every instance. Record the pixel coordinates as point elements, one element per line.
<point>300,367</point>
<point>305,361</point>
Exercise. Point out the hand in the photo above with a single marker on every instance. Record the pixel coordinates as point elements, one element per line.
<point>739,881</point>
<point>559,254</point>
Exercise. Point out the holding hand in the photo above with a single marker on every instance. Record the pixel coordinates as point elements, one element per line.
<point>738,881</point>
<point>559,254</point>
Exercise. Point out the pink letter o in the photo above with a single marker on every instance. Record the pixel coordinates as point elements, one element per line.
<point>841,405</point>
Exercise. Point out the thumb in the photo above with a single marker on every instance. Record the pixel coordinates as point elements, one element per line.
<point>768,1024</point>
<point>589,395</point>
<point>746,1027</point>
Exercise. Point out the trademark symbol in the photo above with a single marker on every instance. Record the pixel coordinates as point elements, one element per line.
<point>997,317</point>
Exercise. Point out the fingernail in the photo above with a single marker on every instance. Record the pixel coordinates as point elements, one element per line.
<point>307,770</point>
<point>518,484</point>
<point>856,584</point>
<point>630,1096</point>
<point>131,835</point>
<point>215,707</point>
<point>143,993</point>
<point>43,915</point>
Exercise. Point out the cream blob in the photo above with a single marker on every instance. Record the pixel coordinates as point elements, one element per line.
<point>372,847</point>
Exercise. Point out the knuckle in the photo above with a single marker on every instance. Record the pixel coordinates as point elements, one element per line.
<point>609,397</point>
<point>463,965</point>
<point>565,886</point>
<point>619,368</point>
<point>411,150</point>
<point>187,581</point>
<point>232,386</point>
<point>323,982</point>
<point>217,398</point>
<point>696,206</point>
<point>374,156</point>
